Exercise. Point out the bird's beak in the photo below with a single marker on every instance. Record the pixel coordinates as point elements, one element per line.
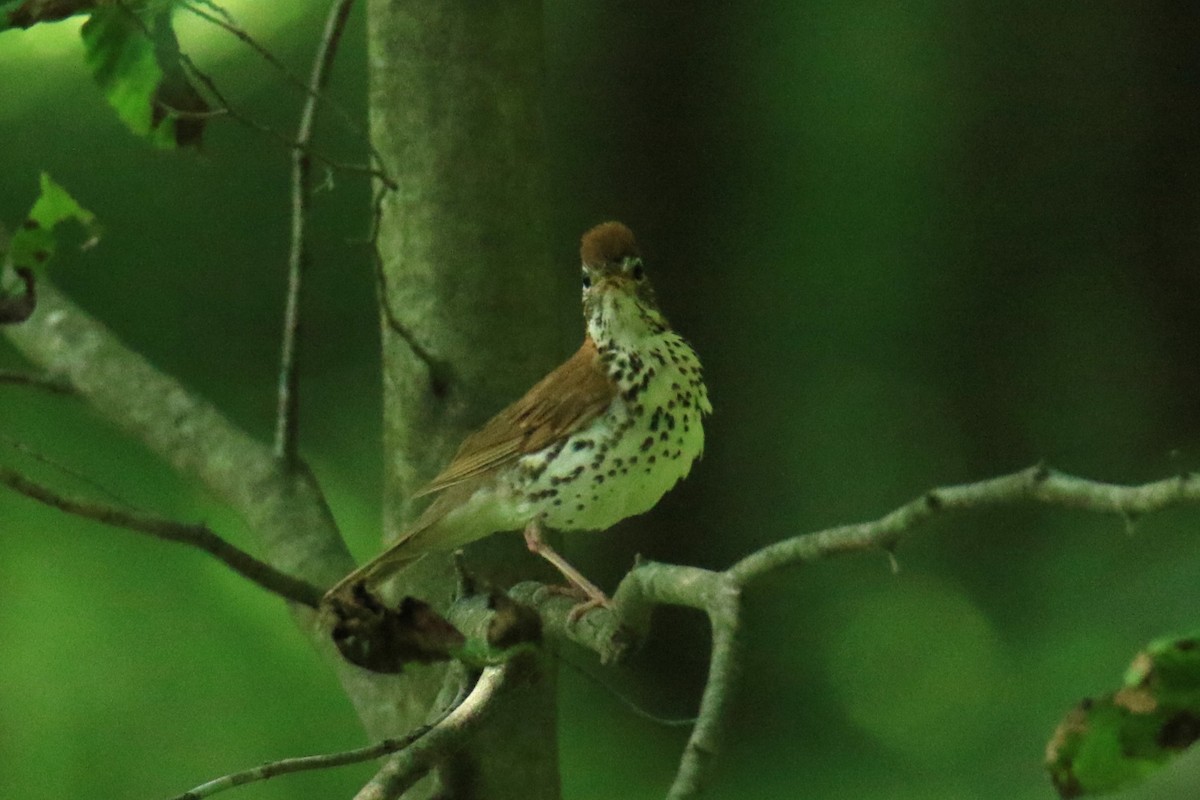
<point>610,283</point>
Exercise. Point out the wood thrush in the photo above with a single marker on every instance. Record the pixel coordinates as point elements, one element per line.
<point>601,438</point>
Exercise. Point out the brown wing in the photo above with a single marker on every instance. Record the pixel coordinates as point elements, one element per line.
<point>564,401</point>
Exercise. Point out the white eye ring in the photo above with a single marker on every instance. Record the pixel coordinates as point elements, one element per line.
<point>587,281</point>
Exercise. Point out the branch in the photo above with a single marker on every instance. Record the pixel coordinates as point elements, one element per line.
<point>44,381</point>
<point>327,761</point>
<point>444,738</point>
<point>609,632</point>
<point>439,369</point>
<point>222,19</point>
<point>63,469</point>
<point>222,107</point>
<point>199,536</point>
<point>1037,484</point>
<point>287,511</point>
<point>287,424</point>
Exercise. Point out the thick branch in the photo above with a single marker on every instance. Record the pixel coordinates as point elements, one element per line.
<point>199,536</point>
<point>285,509</point>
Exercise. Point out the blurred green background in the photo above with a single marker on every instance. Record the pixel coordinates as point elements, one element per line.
<point>915,243</point>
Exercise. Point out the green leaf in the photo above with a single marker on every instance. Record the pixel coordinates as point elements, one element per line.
<point>176,101</point>
<point>134,57</point>
<point>1117,740</point>
<point>34,244</point>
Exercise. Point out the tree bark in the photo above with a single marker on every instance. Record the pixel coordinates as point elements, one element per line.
<point>455,93</point>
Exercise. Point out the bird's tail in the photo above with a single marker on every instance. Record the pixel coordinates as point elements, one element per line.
<point>406,550</point>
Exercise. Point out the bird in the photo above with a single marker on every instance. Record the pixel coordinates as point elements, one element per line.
<point>601,438</point>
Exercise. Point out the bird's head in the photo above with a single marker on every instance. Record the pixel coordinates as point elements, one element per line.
<point>618,300</point>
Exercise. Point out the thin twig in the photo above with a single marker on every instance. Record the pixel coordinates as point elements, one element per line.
<point>624,699</point>
<point>196,535</point>
<point>410,765</point>
<point>225,107</point>
<point>180,113</point>
<point>68,471</point>
<point>224,20</point>
<point>49,383</point>
<point>218,9</point>
<point>222,107</point>
<point>326,761</point>
<point>287,411</point>
<point>300,764</point>
<point>1037,484</point>
<point>439,370</point>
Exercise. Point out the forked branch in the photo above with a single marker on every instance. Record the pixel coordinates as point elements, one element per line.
<point>416,753</point>
<point>718,593</point>
<point>287,511</point>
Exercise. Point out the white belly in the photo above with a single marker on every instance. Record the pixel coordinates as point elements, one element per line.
<point>623,462</point>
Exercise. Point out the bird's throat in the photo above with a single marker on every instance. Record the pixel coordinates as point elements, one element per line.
<point>620,320</point>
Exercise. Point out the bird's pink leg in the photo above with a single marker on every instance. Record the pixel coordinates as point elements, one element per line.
<point>538,545</point>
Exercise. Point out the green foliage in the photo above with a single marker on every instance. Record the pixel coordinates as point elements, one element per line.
<point>133,54</point>
<point>1117,740</point>
<point>35,243</point>
<point>134,57</point>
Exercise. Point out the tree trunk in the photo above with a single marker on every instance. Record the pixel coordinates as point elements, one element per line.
<point>455,93</point>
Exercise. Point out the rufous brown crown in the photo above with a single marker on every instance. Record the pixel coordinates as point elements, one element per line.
<point>608,242</point>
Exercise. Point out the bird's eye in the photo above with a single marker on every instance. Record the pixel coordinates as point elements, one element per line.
<point>587,281</point>
<point>638,272</point>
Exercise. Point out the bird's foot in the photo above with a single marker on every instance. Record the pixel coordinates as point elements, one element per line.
<point>580,609</point>
<point>586,603</point>
<point>579,585</point>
